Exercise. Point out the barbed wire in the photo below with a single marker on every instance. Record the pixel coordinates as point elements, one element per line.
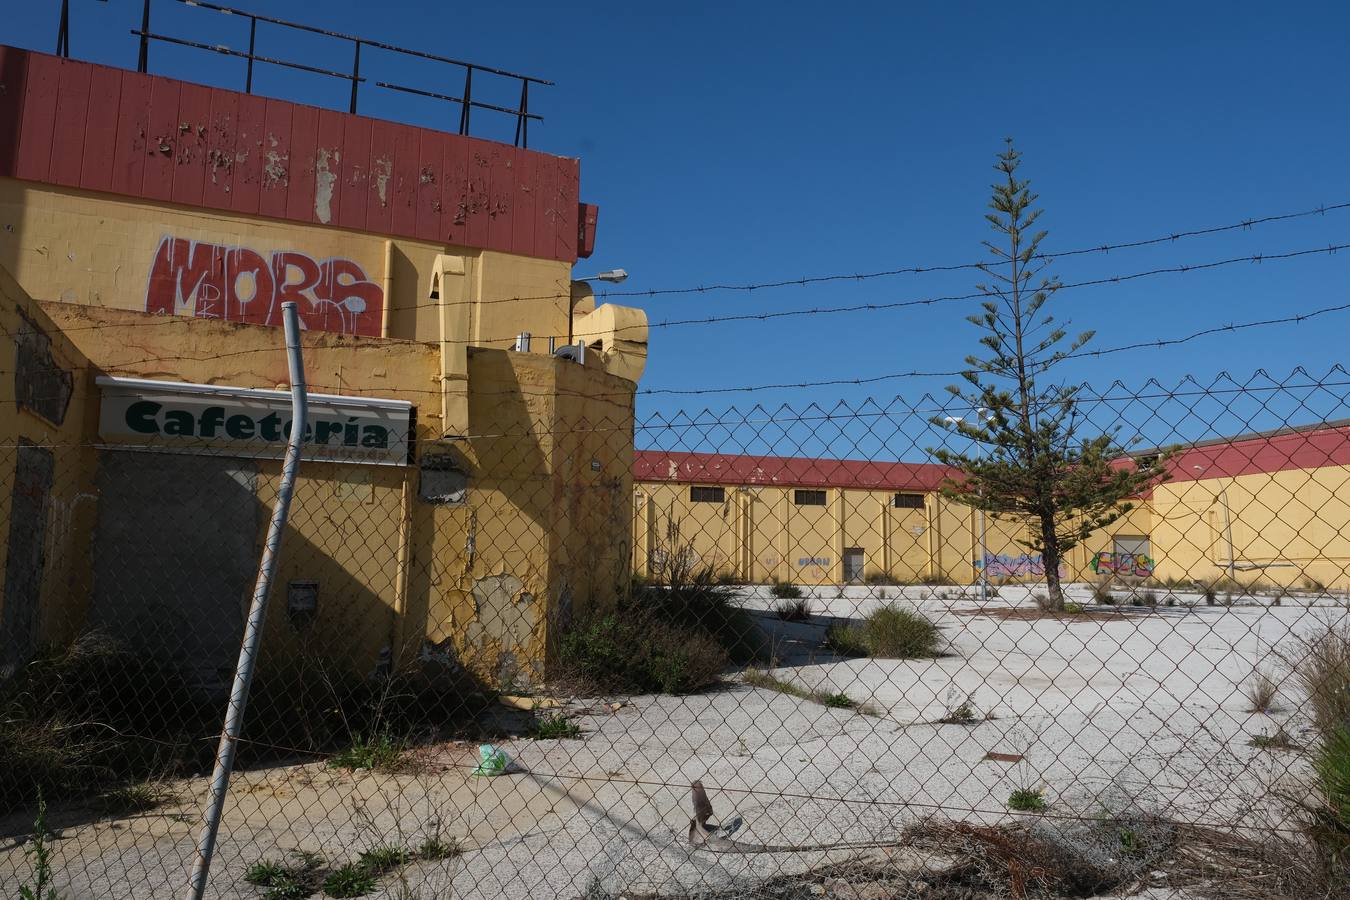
<point>659,422</point>
<point>769,315</point>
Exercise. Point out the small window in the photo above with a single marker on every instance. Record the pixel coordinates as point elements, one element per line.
<point>908,501</point>
<point>808,498</point>
<point>698,494</point>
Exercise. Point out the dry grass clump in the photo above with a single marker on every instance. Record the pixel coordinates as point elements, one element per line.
<point>1261,691</point>
<point>1321,666</point>
<point>796,610</point>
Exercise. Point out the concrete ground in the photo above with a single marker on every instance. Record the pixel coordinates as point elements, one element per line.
<point>1110,708</point>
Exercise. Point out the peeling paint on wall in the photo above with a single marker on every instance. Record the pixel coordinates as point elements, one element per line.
<point>324,180</point>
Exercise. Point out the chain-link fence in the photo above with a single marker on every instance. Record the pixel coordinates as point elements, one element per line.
<point>517,665</point>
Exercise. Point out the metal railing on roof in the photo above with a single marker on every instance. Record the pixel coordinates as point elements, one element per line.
<point>465,101</point>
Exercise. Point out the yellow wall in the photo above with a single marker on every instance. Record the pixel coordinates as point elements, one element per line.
<point>543,526</point>
<point>69,512</point>
<point>80,247</point>
<point>1284,528</point>
<point>761,534</point>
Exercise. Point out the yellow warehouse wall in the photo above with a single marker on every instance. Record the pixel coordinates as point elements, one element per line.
<point>760,534</point>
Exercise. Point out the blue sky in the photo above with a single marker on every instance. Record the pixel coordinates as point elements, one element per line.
<point>753,142</point>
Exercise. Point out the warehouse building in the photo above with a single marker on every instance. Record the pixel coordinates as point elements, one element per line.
<point>456,498</point>
<point>1270,508</point>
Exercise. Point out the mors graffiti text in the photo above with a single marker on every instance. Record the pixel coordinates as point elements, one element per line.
<point>210,281</point>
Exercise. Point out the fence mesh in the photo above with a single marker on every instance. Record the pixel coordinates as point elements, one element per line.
<point>776,609</point>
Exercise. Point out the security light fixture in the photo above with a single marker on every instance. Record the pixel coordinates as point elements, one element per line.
<point>614,276</point>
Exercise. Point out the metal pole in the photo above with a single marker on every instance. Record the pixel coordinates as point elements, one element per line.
<point>1228,532</point>
<point>467,103</point>
<point>984,559</point>
<point>252,38</point>
<point>356,75</point>
<point>248,653</point>
<point>144,61</point>
<point>63,31</point>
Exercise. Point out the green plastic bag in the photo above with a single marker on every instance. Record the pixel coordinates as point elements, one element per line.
<point>491,761</point>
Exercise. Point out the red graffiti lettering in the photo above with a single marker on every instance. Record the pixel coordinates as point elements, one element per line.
<point>208,281</point>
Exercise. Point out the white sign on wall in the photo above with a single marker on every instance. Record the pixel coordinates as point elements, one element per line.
<point>234,421</point>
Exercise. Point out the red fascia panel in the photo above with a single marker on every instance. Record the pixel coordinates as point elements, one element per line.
<point>1310,449</point>
<point>786,471</point>
<point>148,137</point>
<point>587,214</point>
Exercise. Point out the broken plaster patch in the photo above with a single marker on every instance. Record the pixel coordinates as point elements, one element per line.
<point>384,168</point>
<point>324,180</point>
<point>506,615</point>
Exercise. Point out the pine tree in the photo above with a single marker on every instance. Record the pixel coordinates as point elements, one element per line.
<point>1034,467</point>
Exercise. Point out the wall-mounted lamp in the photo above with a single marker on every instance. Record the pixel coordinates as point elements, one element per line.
<point>613,276</point>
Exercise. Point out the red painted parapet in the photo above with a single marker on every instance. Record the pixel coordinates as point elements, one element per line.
<point>87,126</point>
<point>587,215</point>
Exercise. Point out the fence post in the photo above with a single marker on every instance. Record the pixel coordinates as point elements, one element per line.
<point>248,652</point>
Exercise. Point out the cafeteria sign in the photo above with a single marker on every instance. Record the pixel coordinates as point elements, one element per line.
<point>233,421</point>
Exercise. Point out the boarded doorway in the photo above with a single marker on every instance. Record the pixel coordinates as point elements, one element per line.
<point>29,504</point>
<point>853,564</point>
<point>175,557</point>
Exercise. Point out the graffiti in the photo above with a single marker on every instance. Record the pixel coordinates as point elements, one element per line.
<point>1136,564</point>
<point>1003,566</point>
<point>806,561</point>
<point>236,284</point>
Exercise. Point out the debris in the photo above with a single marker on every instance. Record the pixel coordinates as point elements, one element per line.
<point>492,761</point>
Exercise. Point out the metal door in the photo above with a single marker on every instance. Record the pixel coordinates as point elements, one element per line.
<point>24,564</point>
<point>175,557</point>
<point>853,564</point>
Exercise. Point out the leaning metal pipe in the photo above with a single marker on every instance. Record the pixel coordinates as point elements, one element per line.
<point>248,652</point>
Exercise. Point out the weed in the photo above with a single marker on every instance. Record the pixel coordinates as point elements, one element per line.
<point>1027,800</point>
<point>786,590</point>
<point>634,648</point>
<point>1074,609</point>
<point>64,714</point>
<point>1101,593</point>
<point>1321,664</point>
<point>961,714</point>
<point>879,578</point>
<point>1332,765</point>
<point>1261,691</point>
<point>1280,740</point>
<point>349,880</point>
<point>293,881</point>
<point>1149,598</point>
<point>762,679</point>
<point>889,632</point>
<point>798,610</point>
<point>378,752</point>
<point>131,798</point>
<point>435,847</point>
<point>1313,586</point>
<point>39,851</point>
<point>379,860</point>
<point>847,639</point>
<point>896,633</point>
<point>837,700</point>
<point>264,872</point>
<point>554,728</point>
